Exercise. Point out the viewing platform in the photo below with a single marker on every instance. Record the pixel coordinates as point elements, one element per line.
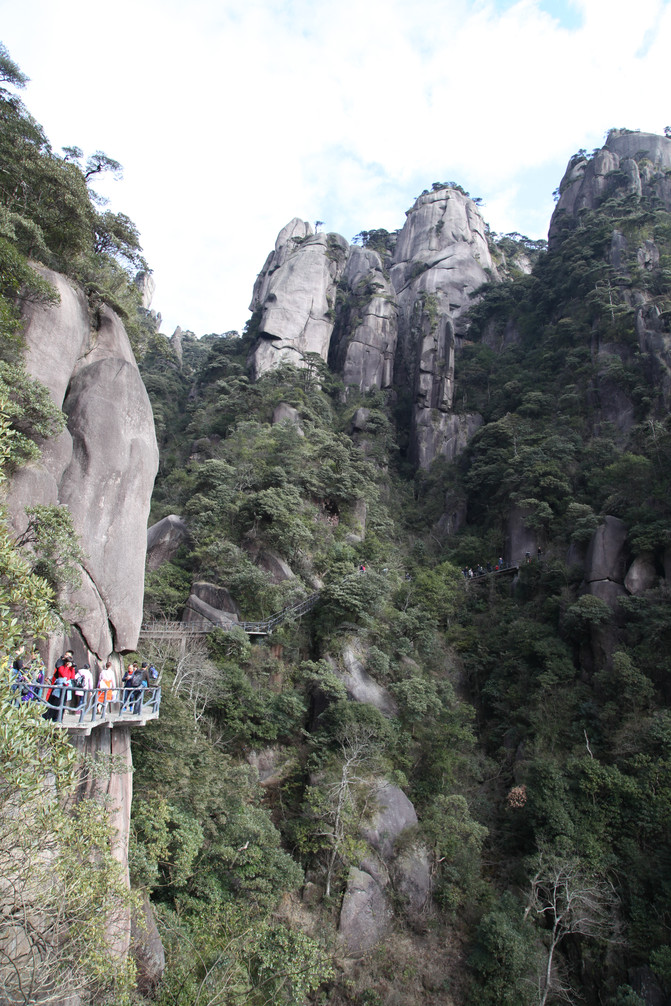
<point>133,707</point>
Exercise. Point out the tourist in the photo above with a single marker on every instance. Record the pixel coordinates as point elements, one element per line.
<point>106,684</point>
<point>84,682</point>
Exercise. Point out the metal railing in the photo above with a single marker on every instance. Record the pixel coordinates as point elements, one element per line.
<point>75,707</point>
<point>260,627</point>
<point>264,626</point>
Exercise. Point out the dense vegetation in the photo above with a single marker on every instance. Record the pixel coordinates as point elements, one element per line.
<point>532,734</point>
<point>532,731</point>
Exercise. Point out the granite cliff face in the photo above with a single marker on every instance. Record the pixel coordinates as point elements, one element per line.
<point>295,293</point>
<point>364,342</point>
<point>102,466</point>
<point>629,161</point>
<point>379,323</point>
<point>637,165</point>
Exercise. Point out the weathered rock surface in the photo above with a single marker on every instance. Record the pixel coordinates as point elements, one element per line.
<point>442,251</point>
<point>199,612</point>
<point>640,160</point>
<point>441,434</point>
<point>412,878</point>
<point>358,515</point>
<point>273,764</point>
<point>116,792</point>
<point>365,915</point>
<point>274,565</point>
<point>102,466</point>
<point>394,813</point>
<point>359,684</point>
<point>147,949</point>
<point>453,517</point>
<point>606,553</point>
<point>440,258</point>
<point>634,165</point>
<point>608,591</point>
<point>295,294</point>
<point>146,284</point>
<point>520,538</point>
<point>285,412</point>
<point>164,539</point>
<point>216,596</point>
<point>641,575</point>
<point>366,334</point>
<point>403,327</point>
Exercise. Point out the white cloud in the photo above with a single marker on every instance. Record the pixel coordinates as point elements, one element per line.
<point>232,117</point>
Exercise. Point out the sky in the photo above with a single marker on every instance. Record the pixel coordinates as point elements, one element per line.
<point>231,117</point>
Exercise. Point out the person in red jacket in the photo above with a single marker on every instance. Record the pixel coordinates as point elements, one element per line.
<point>56,696</point>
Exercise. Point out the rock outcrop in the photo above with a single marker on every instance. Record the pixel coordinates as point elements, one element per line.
<point>631,162</point>
<point>365,915</point>
<point>295,295</point>
<point>634,166</point>
<point>399,327</point>
<point>605,563</point>
<point>115,791</point>
<point>641,575</point>
<point>393,814</point>
<point>366,333</point>
<point>359,684</point>
<point>441,258</point>
<point>103,464</point>
<point>164,540</point>
<point>202,614</point>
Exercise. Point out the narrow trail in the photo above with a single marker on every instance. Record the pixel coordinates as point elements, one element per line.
<point>265,626</point>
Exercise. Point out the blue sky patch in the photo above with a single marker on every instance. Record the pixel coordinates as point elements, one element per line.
<point>566,13</point>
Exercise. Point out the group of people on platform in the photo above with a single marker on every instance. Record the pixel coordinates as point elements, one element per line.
<point>72,687</point>
<point>480,570</point>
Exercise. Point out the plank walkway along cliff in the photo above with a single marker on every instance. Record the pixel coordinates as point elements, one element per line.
<point>136,707</point>
<point>264,627</point>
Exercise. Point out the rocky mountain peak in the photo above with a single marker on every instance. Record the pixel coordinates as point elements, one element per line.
<point>317,294</point>
<point>629,163</point>
<point>295,294</point>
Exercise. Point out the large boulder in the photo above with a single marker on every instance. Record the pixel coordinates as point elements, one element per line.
<point>103,464</point>
<point>274,565</point>
<point>365,914</point>
<point>287,413</point>
<point>606,556</point>
<point>200,613</point>
<point>216,596</point>
<point>392,815</point>
<point>412,879</point>
<point>164,539</point>
<point>359,684</point>
<point>641,575</point>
